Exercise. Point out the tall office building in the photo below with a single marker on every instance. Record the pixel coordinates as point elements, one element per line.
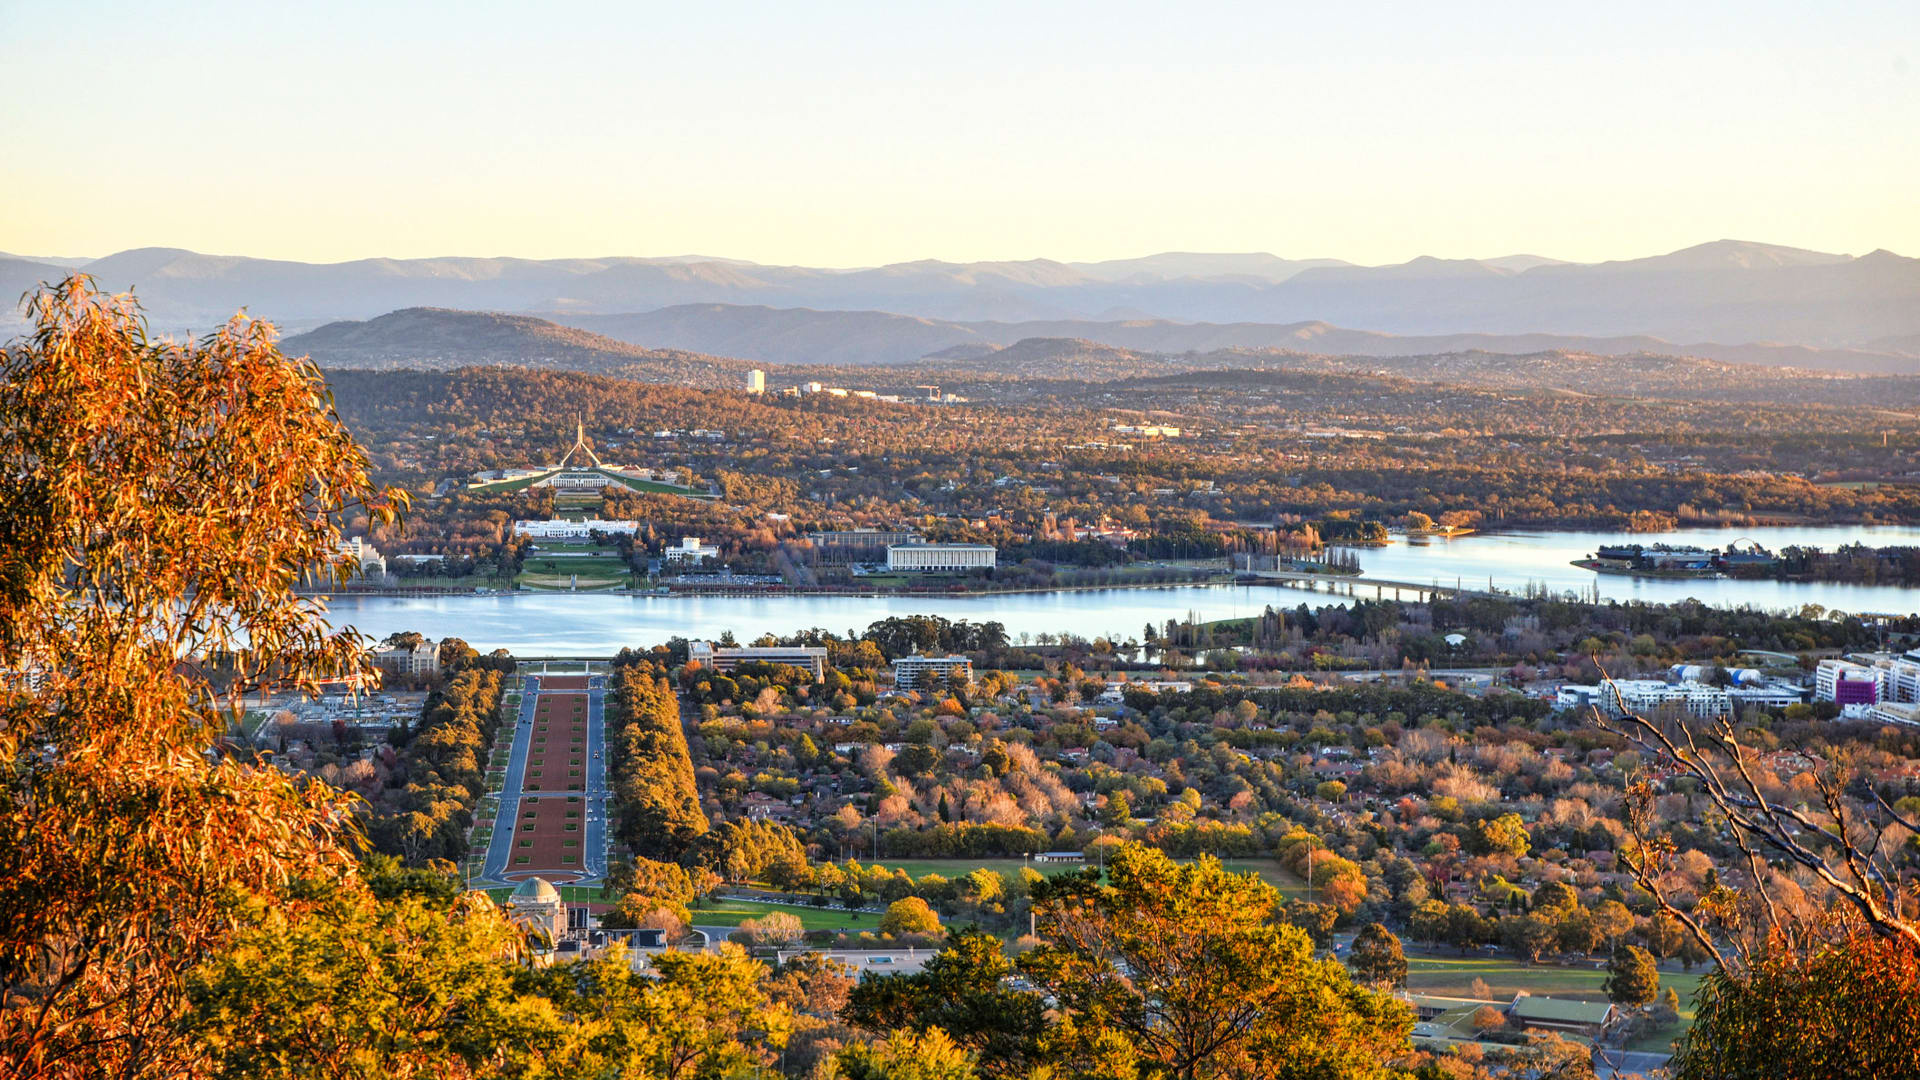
<point>756,381</point>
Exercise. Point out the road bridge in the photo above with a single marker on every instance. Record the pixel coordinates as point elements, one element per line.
<point>1363,587</point>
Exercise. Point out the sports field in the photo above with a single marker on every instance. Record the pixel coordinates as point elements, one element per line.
<point>1505,977</point>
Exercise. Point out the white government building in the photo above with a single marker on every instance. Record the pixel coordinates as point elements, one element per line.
<point>941,556</point>
<point>690,550</point>
<point>574,530</point>
<point>587,474</point>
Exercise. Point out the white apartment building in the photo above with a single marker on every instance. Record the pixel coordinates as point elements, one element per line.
<point>1116,692</point>
<point>756,381</point>
<point>1698,698</point>
<point>421,659</point>
<point>709,655</point>
<point>1847,683</point>
<point>914,672</point>
<point>1869,679</point>
<point>1890,713</point>
<point>920,557</point>
<point>1767,697</point>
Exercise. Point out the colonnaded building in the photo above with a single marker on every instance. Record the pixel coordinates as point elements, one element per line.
<point>948,557</point>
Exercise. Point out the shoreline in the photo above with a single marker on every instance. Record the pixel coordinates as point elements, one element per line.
<point>785,592</point>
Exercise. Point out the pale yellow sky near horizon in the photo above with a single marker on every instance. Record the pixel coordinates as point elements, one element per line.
<point>855,134</point>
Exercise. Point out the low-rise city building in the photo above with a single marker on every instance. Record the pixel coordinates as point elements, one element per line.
<point>1645,695</point>
<point>915,672</point>
<point>691,550</point>
<point>720,658</point>
<point>408,660</point>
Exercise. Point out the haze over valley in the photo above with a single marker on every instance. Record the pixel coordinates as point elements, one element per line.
<point>1726,300</point>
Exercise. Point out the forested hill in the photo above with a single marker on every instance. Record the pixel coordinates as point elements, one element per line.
<point>443,339</point>
<point>440,338</point>
<point>1641,375</point>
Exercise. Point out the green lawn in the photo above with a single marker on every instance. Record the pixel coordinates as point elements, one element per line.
<point>558,667</point>
<point>1453,977</point>
<point>556,562</point>
<point>733,912</point>
<point>608,565</point>
<point>577,547</point>
<point>657,488</point>
<point>572,894</point>
<point>566,583</point>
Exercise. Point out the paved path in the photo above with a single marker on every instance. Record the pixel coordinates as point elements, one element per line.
<point>595,858</point>
<point>500,846</point>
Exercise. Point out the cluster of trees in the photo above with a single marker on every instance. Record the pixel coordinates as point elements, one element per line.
<point>378,976</point>
<point>473,530</point>
<point>1337,880</point>
<point>750,850</point>
<point>1541,629</point>
<point>1853,563</point>
<point>1552,920</point>
<point>980,896</point>
<point>657,811</point>
<point>759,686</point>
<point>429,808</point>
<point>1155,969</point>
<point>898,636</point>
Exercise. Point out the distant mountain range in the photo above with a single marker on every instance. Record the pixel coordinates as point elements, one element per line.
<point>1731,292</point>
<point>807,336</point>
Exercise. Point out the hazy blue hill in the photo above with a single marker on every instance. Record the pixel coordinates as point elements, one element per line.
<point>1727,291</point>
<point>810,336</point>
<point>787,335</point>
<point>19,276</point>
<point>1250,266</point>
<point>438,339</point>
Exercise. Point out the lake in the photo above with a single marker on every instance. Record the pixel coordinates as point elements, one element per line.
<point>558,624</point>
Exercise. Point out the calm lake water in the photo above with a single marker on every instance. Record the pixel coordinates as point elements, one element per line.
<point>561,624</point>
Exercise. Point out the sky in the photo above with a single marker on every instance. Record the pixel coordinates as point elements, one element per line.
<point>856,134</point>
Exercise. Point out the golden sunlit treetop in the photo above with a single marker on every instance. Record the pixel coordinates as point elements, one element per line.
<point>161,500</point>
